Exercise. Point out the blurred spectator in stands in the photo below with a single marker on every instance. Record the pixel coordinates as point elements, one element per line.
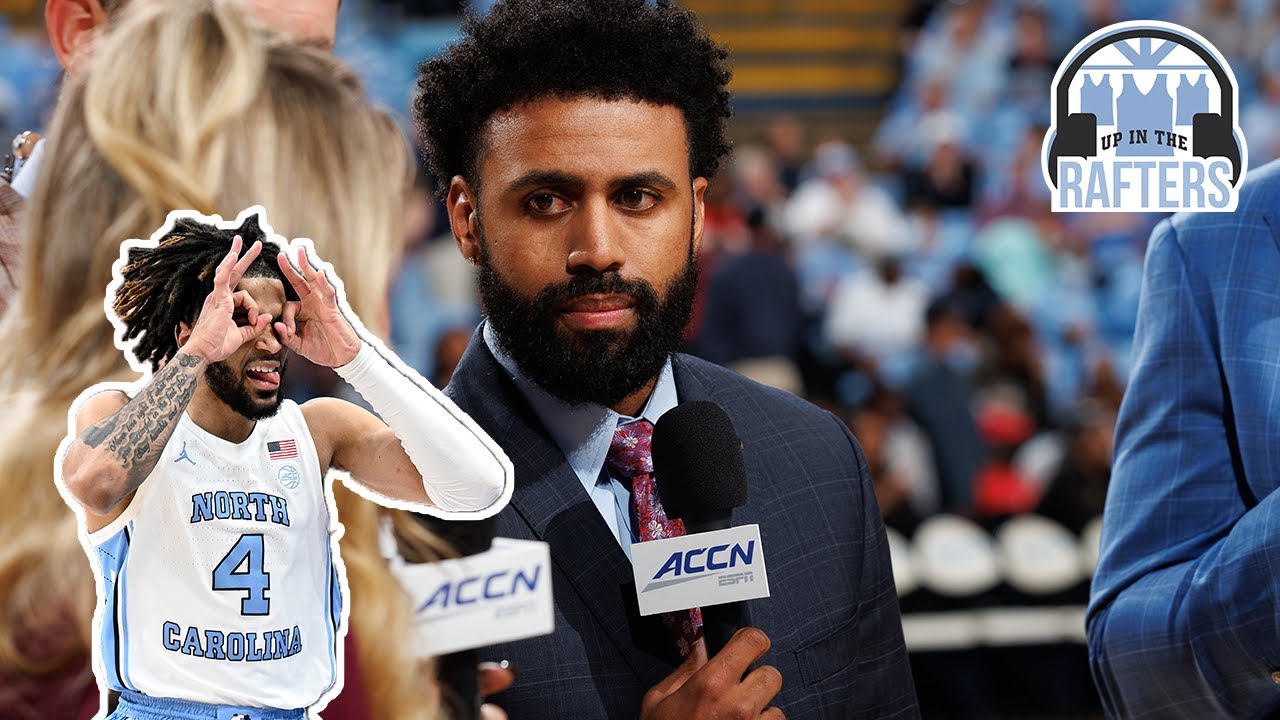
<point>1115,245</point>
<point>893,493</point>
<point>1001,489</point>
<point>907,454</point>
<point>969,47</point>
<point>786,140</point>
<point>939,399</point>
<point>1258,120</point>
<point>434,288</point>
<point>840,203</point>
<point>943,240</point>
<point>1078,490</point>
<point>913,23</point>
<point>948,176</point>
<point>1264,28</point>
<point>1105,384</point>
<point>725,234</point>
<point>751,320</point>
<point>1221,23</point>
<point>877,315</point>
<point>971,295</point>
<point>756,176</point>
<point>1016,186</point>
<point>412,296</point>
<point>725,230</point>
<point>900,140</point>
<point>29,75</point>
<point>1099,14</point>
<point>1015,365</point>
<point>1033,62</point>
<point>1013,256</point>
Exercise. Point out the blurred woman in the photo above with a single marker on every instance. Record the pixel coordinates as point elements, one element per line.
<point>184,105</point>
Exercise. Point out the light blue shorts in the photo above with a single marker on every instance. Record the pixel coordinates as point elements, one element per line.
<point>135,706</point>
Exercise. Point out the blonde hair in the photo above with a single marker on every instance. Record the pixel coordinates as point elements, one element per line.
<point>190,105</point>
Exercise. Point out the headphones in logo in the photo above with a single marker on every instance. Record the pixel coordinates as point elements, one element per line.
<point>1212,135</point>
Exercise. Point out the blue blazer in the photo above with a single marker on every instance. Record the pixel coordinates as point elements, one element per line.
<point>1184,619</point>
<point>832,614</point>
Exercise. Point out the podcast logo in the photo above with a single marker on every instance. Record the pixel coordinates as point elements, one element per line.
<point>1144,120</point>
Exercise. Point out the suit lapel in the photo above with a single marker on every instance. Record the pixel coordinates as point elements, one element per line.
<point>550,500</point>
<point>689,386</point>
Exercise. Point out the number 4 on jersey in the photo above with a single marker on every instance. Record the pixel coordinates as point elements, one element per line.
<point>247,551</point>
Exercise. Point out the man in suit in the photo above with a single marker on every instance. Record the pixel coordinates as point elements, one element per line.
<point>576,138</point>
<point>1185,608</point>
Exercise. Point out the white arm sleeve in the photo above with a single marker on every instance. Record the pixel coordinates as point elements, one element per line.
<point>463,470</point>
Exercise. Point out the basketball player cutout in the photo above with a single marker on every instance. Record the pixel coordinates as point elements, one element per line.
<point>203,492</point>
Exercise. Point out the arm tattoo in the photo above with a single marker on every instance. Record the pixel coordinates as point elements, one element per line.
<point>137,433</point>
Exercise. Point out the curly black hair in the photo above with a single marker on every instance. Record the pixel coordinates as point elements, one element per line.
<point>609,49</point>
<point>164,286</point>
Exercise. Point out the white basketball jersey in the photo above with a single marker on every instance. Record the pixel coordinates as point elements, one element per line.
<point>219,580</point>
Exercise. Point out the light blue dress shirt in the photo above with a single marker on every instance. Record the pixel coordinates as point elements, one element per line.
<point>584,433</point>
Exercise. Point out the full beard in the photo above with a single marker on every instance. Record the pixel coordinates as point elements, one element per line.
<point>231,388</point>
<point>594,366</point>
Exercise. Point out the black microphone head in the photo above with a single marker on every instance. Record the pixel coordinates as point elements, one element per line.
<point>467,537</point>
<point>697,461</point>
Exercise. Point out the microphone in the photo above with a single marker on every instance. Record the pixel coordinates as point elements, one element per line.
<point>498,591</point>
<point>457,671</point>
<point>701,478</point>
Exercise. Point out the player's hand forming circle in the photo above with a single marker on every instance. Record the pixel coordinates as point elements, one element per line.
<point>215,335</point>
<point>313,326</point>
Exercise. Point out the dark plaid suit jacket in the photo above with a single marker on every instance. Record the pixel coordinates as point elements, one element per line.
<point>833,612</point>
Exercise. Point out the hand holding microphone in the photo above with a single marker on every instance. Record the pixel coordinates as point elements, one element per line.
<point>701,478</point>
<point>702,688</point>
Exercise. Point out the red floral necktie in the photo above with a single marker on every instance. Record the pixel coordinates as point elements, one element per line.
<point>630,460</point>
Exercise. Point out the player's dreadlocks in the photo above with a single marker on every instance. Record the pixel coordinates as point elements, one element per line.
<point>167,285</point>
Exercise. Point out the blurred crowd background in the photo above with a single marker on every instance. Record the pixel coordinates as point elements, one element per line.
<point>882,244</point>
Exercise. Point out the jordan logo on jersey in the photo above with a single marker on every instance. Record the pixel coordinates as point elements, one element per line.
<point>184,455</point>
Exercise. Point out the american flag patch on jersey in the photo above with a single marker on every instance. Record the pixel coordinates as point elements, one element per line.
<point>282,449</point>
